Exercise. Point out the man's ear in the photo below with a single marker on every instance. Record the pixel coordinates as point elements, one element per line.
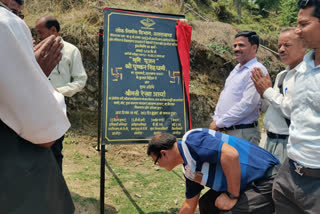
<point>163,153</point>
<point>255,46</point>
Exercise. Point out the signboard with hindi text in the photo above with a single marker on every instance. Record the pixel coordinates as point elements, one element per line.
<point>143,89</point>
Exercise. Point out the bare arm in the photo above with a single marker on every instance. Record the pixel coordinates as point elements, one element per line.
<point>231,168</point>
<point>189,205</point>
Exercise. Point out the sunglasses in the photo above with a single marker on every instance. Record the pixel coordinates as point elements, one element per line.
<point>156,161</point>
<point>303,3</point>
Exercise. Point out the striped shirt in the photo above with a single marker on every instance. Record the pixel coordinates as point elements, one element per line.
<point>201,149</point>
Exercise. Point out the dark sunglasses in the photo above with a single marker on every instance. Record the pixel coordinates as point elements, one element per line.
<point>156,161</point>
<point>303,3</point>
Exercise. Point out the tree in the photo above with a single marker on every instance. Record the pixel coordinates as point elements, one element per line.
<point>288,12</point>
<point>238,5</point>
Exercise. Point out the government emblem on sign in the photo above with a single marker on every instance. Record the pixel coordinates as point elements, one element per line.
<point>147,23</point>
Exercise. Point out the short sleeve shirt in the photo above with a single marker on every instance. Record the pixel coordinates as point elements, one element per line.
<point>201,150</point>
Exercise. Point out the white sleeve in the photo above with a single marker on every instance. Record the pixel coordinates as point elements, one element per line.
<point>279,101</point>
<point>27,101</point>
<point>78,75</point>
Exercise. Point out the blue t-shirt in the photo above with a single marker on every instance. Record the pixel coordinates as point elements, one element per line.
<point>200,150</point>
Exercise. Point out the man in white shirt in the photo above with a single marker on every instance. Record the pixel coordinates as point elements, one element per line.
<point>278,99</point>
<point>31,119</point>
<point>296,188</point>
<point>69,76</point>
<point>238,106</point>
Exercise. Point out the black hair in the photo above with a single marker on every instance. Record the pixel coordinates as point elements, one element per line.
<point>162,141</point>
<point>252,36</point>
<point>303,4</point>
<point>51,21</point>
<point>20,2</point>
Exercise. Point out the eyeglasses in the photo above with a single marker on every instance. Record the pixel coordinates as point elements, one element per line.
<point>18,13</point>
<point>156,161</point>
<point>303,3</point>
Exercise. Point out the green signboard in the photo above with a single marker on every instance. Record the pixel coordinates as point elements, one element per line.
<point>143,88</point>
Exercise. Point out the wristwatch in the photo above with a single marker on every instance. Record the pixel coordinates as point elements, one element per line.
<point>232,196</point>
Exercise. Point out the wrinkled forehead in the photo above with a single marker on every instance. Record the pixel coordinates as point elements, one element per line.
<point>288,36</point>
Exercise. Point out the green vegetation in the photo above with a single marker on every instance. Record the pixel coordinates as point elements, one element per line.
<point>266,17</point>
<point>220,49</point>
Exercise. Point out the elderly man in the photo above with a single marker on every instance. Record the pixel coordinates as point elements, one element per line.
<point>297,185</point>
<point>69,76</point>
<point>277,118</point>
<point>237,110</point>
<point>238,173</point>
<point>31,119</point>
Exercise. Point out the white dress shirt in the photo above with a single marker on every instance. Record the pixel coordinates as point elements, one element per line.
<point>304,131</point>
<point>27,99</point>
<point>69,76</point>
<point>279,104</point>
<point>239,102</point>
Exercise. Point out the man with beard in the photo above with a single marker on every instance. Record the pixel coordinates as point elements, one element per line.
<point>278,99</point>
<point>238,106</point>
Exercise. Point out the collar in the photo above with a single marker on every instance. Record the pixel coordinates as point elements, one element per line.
<point>247,65</point>
<point>309,59</point>
<point>293,69</point>
<point>179,143</point>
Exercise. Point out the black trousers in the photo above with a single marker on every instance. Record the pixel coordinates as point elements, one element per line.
<point>30,179</point>
<point>256,199</point>
<point>56,149</point>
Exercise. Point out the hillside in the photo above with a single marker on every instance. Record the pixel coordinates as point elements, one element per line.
<point>211,52</point>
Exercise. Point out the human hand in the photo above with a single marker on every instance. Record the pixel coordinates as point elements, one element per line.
<point>261,82</point>
<point>48,53</point>
<point>213,126</point>
<point>223,202</point>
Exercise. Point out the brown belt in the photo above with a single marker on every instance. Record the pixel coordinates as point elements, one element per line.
<point>302,171</point>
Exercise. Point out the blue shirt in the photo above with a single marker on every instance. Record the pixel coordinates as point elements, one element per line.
<point>304,132</point>
<point>200,150</point>
<point>239,102</point>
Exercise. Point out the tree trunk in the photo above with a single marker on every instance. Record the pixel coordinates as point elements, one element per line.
<point>238,5</point>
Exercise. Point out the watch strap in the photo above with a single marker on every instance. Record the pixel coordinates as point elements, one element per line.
<point>232,196</point>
